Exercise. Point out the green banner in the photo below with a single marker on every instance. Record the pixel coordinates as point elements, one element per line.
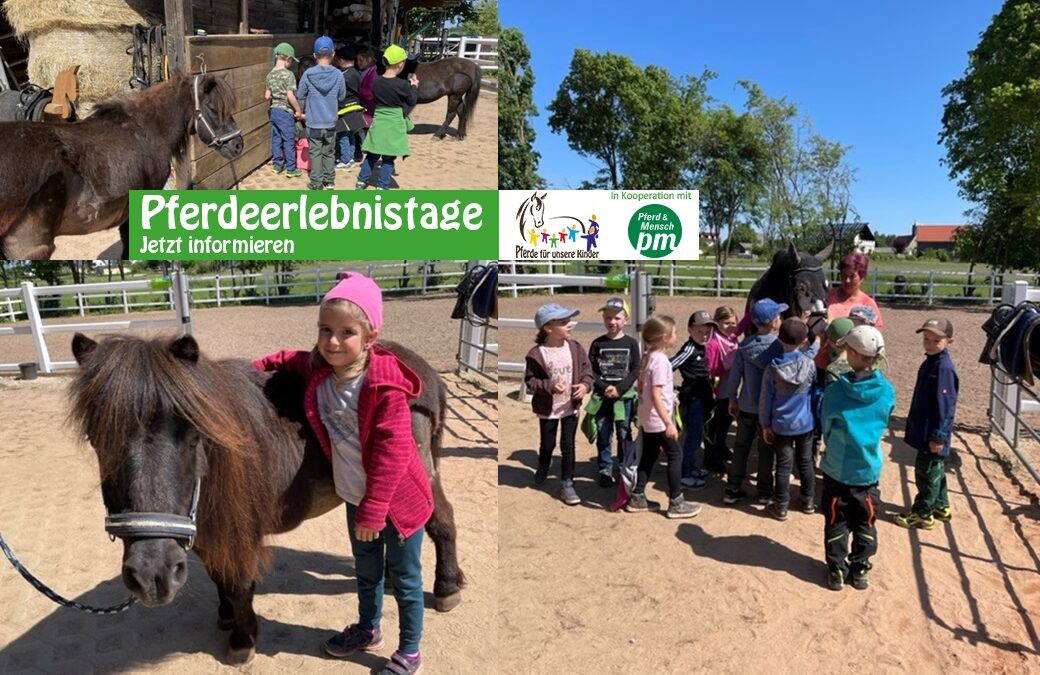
<point>313,225</point>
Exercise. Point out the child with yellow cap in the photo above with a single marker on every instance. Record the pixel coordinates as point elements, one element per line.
<point>387,139</point>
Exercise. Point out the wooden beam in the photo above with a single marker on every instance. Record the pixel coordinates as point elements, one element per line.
<point>179,24</point>
<point>243,17</point>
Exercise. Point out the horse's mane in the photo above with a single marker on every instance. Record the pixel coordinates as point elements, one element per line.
<point>126,382</point>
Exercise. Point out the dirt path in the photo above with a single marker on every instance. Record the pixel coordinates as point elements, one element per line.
<point>51,514</point>
<point>732,591</point>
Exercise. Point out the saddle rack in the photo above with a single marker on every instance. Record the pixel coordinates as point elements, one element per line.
<point>66,92</point>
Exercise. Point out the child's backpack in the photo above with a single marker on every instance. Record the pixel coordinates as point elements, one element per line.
<point>303,155</point>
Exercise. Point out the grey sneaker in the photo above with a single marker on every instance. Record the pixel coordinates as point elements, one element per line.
<point>569,495</point>
<point>352,640</point>
<point>637,503</point>
<point>680,508</point>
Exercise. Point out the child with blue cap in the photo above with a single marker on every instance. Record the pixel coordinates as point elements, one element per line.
<point>558,375</point>
<point>321,88</point>
<point>749,362</point>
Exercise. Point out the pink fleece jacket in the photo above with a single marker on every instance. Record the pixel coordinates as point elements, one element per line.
<point>396,484</point>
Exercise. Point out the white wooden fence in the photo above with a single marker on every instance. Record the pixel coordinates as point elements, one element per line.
<point>920,286</point>
<point>482,50</point>
<point>175,291</point>
<point>424,277</point>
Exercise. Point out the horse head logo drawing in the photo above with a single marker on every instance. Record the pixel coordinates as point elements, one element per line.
<point>531,213</point>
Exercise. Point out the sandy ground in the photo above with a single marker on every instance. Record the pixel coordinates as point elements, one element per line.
<point>733,591</point>
<point>450,164</point>
<point>51,514</point>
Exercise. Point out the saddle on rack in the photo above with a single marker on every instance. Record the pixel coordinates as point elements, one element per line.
<point>1013,341</point>
<point>478,293</point>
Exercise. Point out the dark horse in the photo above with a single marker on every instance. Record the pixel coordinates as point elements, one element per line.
<point>456,78</point>
<point>58,179</point>
<point>795,278</point>
<point>171,426</point>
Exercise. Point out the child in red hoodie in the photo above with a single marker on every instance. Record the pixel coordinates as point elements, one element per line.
<point>357,403</point>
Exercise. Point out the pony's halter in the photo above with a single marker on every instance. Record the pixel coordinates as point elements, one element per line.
<point>215,139</point>
<point>145,525</point>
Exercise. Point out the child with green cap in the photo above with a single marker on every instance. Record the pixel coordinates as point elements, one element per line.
<point>388,136</point>
<point>285,109</point>
<point>839,364</point>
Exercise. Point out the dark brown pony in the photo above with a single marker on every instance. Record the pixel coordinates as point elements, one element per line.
<point>162,416</point>
<point>58,179</point>
<point>456,78</point>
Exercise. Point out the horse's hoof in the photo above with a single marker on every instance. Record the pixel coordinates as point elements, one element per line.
<point>240,657</point>
<point>225,624</point>
<point>448,602</point>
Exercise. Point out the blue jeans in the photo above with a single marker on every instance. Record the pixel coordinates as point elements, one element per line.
<point>345,147</point>
<point>693,433</point>
<point>283,139</point>
<point>605,426</point>
<point>385,171</point>
<point>404,559</point>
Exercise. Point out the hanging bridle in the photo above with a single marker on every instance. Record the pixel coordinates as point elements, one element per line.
<point>215,139</point>
<point>146,525</point>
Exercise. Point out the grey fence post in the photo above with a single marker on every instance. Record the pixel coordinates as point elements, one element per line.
<point>873,285</point>
<point>671,279</point>
<point>552,289</point>
<point>718,281</point>
<point>216,280</point>
<point>931,286</point>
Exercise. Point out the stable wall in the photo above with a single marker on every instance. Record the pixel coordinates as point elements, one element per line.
<point>243,61</point>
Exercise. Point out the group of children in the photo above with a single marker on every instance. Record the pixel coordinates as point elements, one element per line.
<point>771,385</point>
<point>346,108</point>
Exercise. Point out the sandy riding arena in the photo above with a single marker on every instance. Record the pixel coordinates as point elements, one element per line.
<point>449,164</point>
<point>51,513</point>
<point>732,591</point>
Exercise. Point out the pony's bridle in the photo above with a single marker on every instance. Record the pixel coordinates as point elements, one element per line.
<point>146,525</point>
<point>215,140</point>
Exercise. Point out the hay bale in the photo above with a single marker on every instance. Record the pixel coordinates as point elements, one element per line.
<point>105,67</point>
<point>32,16</point>
<point>92,33</point>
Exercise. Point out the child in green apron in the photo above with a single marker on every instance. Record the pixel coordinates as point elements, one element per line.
<point>387,139</point>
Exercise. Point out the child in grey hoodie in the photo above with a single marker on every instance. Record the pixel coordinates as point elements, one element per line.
<point>785,413</point>
<point>320,90</point>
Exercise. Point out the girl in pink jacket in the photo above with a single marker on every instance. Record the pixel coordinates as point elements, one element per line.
<point>357,403</point>
<point>719,351</point>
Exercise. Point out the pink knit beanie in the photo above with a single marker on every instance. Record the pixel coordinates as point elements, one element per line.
<point>363,292</point>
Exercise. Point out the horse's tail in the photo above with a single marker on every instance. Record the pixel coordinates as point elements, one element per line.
<point>469,101</point>
<point>436,438</point>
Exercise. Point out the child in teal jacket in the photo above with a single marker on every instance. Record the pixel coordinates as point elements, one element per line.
<point>855,416</point>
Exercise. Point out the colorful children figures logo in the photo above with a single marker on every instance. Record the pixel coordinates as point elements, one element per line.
<point>557,232</point>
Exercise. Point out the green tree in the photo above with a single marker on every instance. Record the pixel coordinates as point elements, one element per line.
<point>731,168</point>
<point>517,158</point>
<point>991,131</point>
<point>484,19</point>
<point>636,124</point>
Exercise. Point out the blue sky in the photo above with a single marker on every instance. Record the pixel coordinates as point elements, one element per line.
<point>868,74</point>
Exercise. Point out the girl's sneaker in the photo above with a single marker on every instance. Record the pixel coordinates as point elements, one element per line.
<point>569,495</point>
<point>399,664</point>
<point>360,185</point>
<point>276,170</point>
<point>295,173</point>
<point>352,640</point>
<point>944,514</point>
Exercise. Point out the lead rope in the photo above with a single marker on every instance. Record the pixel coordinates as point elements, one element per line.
<point>64,602</point>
